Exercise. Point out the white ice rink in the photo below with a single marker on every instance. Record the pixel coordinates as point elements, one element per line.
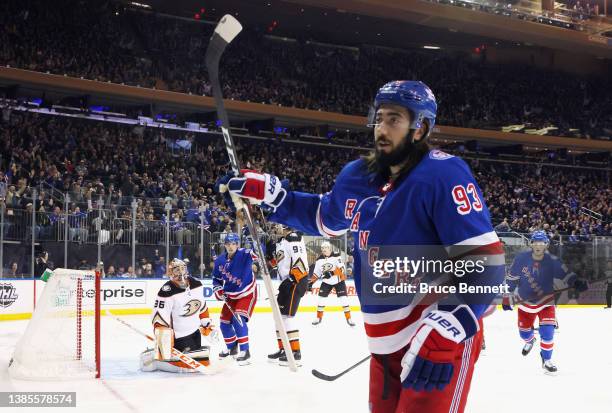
<point>504,380</point>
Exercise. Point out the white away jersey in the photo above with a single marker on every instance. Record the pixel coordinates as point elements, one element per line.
<point>324,266</point>
<point>180,309</point>
<point>291,258</point>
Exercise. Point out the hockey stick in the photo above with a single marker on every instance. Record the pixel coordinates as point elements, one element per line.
<point>325,377</point>
<point>234,314</point>
<point>555,292</point>
<point>227,29</point>
<point>199,367</point>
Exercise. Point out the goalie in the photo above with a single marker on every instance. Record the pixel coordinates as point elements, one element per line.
<point>180,318</point>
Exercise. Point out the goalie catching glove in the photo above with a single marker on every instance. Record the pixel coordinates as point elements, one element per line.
<point>428,363</point>
<point>259,188</point>
<point>207,326</point>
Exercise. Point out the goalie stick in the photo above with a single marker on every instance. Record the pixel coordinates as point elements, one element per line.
<point>211,369</point>
<point>326,377</point>
<point>227,29</point>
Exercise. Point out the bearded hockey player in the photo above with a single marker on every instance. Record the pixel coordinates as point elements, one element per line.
<point>234,283</point>
<point>329,268</point>
<point>403,193</point>
<point>531,279</point>
<point>292,266</point>
<point>180,318</point>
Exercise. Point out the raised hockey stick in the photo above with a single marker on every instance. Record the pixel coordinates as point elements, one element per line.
<point>227,29</point>
<point>326,377</point>
<point>212,368</point>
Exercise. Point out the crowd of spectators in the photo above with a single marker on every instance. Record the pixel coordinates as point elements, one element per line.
<point>523,198</point>
<point>99,42</point>
<point>104,167</point>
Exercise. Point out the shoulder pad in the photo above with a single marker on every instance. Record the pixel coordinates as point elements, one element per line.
<point>294,236</point>
<point>193,283</point>
<point>168,290</point>
<point>335,254</point>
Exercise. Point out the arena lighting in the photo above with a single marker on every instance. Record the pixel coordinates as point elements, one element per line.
<point>141,5</point>
<point>431,47</point>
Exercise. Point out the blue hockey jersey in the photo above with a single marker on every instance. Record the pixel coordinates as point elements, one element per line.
<point>235,275</point>
<point>536,279</point>
<point>437,203</point>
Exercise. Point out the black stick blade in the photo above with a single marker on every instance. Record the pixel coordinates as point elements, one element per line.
<point>325,377</point>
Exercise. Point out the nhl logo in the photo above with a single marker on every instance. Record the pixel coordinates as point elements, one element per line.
<point>8,294</point>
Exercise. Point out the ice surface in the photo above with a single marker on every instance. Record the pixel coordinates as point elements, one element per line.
<point>504,380</point>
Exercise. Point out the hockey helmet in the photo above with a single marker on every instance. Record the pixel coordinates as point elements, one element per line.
<point>414,96</point>
<point>232,238</point>
<point>326,247</point>
<point>539,236</point>
<point>178,272</point>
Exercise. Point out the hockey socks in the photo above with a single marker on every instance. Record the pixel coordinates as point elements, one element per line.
<point>242,331</point>
<point>547,334</point>
<point>229,334</point>
<point>294,340</point>
<point>292,332</point>
<point>526,334</point>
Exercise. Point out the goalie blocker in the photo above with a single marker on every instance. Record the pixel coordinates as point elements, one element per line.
<point>180,318</point>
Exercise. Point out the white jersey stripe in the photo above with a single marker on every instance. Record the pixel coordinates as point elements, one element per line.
<point>465,364</point>
<point>323,230</point>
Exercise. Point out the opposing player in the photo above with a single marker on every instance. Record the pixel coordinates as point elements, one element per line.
<point>403,193</point>
<point>292,266</point>
<point>329,268</point>
<point>234,283</point>
<point>531,280</point>
<point>180,318</point>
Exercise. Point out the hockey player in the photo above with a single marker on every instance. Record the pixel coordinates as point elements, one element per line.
<point>329,268</point>
<point>234,283</point>
<point>180,318</point>
<point>402,193</point>
<point>292,266</point>
<point>532,275</point>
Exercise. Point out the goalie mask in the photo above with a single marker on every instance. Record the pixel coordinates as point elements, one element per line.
<point>178,273</point>
<point>326,248</point>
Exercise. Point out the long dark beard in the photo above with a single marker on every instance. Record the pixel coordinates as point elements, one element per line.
<point>396,156</point>
<point>407,152</point>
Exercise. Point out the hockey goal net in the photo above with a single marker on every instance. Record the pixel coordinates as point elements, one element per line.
<point>62,340</point>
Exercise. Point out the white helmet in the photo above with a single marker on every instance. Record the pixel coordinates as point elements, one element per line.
<point>178,272</point>
<point>326,247</point>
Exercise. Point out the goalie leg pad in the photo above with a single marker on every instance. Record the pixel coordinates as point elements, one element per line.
<point>173,364</point>
<point>164,342</point>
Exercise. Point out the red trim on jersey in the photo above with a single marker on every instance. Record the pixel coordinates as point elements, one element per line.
<point>490,249</point>
<point>394,327</point>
